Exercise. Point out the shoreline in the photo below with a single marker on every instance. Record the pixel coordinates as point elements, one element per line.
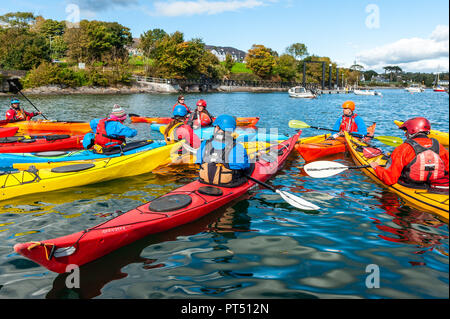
<point>154,88</point>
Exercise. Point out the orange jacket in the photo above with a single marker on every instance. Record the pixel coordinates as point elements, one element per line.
<point>402,156</point>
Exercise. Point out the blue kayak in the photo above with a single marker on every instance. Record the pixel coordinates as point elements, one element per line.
<point>244,134</point>
<point>8,159</point>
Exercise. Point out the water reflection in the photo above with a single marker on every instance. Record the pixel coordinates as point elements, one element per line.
<point>410,226</point>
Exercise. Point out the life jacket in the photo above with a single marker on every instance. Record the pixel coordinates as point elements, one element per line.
<point>182,104</point>
<point>170,137</point>
<point>17,115</point>
<point>215,170</point>
<point>348,124</point>
<point>102,138</point>
<point>426,167</point>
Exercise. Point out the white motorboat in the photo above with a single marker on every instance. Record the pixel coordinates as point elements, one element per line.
<point>414,88</point>
<point>366,92</point>
<point>299,91</point>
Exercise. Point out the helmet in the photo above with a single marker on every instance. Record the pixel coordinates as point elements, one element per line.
<point>416,125</point>
<point>201,103</point>
<point>349,105</point>
<point>179,110</point>
<point>14,101</point>
<point>225,122</point>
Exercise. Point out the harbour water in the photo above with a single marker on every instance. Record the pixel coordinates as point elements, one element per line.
<point>257,247</point>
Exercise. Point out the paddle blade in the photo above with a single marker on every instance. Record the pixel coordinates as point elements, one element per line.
<point>323,169</point>
<point>297,124</point>
<point>389,140</point>
<point>296,201</point>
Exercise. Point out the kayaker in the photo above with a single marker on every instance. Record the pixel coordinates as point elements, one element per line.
<point>419,162</point>
<point>200,117</point>
<point>223,162</point>
<point>16,113</point>
<point>178,130</point>
<point>350,121</point>
<point>109,131</point>
<point>180,101</point>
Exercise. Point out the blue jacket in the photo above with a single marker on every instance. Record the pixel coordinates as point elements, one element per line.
<point>114,128</point>
<point>237,160</point>
<point>362,128</point>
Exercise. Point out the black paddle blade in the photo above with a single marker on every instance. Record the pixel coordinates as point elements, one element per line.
<point>14,85</point>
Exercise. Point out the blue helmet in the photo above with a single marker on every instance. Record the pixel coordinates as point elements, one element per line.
<point>225,122</point>
<point>179,110</point>
<point>14,101</point>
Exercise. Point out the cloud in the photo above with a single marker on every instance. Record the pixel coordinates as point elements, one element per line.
<point>189,8</point>
<point>412,54</point>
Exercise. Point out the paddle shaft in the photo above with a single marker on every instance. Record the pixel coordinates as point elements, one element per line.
<point>273,189</point>
<point>331,130</point>
<point>341,168</point>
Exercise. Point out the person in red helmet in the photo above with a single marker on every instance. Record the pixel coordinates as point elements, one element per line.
<point>419,162</point>
<point>200,117</point>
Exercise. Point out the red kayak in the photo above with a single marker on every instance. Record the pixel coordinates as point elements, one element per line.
<point>21,144</point>
<point>181,206</point>
<point>8,131</point>
<point>240,121</point>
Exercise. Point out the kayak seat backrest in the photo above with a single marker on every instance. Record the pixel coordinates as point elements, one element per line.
<point>50,154</point>
<point>170,203</point>
<point>210,190</point>
<point>72,168</point>
<point>56,137</point>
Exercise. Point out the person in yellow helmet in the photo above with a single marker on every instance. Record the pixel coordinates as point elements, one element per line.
<point>349,121</point>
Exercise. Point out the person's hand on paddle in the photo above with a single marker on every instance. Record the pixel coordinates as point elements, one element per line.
<point>374,164</point>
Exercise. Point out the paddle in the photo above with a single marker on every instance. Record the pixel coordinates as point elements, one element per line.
<point>16,85</point>
<point>323,169</point>
<point>288,197</point>
<point>388,140</point>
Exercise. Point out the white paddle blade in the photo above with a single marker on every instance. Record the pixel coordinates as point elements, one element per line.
<point>297,201</point>
<point>322,169</point>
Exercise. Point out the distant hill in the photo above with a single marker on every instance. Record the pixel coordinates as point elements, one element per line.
<point>221,52</point>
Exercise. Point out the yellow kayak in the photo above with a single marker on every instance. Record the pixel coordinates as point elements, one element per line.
<point>80,173</point>
<point>419,198</point>
<point>442,137</point>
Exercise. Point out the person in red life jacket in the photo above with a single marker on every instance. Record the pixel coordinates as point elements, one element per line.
<point>178,130</point>
<point>350,121</point>
<point>110,131</point>
<point>200,117</point>
<point>419,162</point>
<point>180,101</point>
<point>16,113</point>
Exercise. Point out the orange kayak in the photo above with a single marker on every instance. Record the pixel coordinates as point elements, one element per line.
<point>312,148</point>
<point>43,126</point>
<point>240,121</point>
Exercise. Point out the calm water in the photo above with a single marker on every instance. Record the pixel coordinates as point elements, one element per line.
<point>258,247</point>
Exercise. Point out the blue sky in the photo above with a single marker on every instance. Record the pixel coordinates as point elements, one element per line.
<point>412,34</point>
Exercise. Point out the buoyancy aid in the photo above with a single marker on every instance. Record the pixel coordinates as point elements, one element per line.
<point>427,166</point>
<point>17,115</point>
<point>201,119</point>
<point>102,138</point>
<point>215,170</point>
<point>348,124</point>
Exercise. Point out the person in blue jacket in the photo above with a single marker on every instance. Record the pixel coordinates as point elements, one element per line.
<point>109,132</point>
<point>349,121</point>
<point>223,161</point>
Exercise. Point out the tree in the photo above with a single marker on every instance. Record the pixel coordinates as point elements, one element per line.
<point>229,62</point>
<point>368,75</point>
<point>260,60</point>
<point>297,50</point>
<point>18,20</point>
<point>286,67</point>
<point>149,41</point>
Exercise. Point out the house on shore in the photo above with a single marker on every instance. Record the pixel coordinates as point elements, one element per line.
<point>221,53</point>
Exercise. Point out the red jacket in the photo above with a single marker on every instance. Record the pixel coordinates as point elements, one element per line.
<point>22,115</point>
<point>402,156</point>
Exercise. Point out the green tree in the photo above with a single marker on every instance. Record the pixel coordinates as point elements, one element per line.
<point>286,67</point>
<point>260,60</point>
<point>18,20</point>
<point>297,50</point>
<point>149,41</point>
<point>229,62</point>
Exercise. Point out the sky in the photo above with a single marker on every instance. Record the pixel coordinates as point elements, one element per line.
<point>412,34</point>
